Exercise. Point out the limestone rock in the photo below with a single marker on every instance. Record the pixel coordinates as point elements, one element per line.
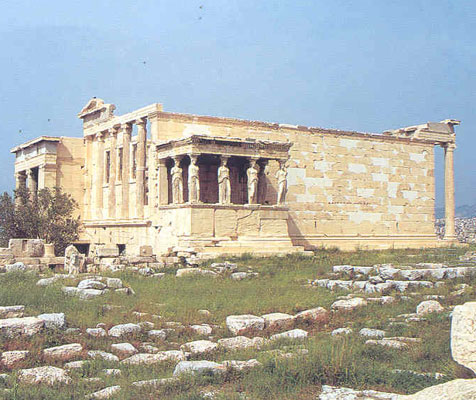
<point>278,321</point>
<point>341,331</point>
<point>342,393</point>
<point>241,365</point>
<point>91,284</point>
<point>96,332</point>
<point>203,329</point>
<point>87,294</point>
<point>27,326</point>
<point>124,330</point>
<point>239,324</point>
<point>199,347</point>
<point>155,382</point>
<point>236,343</point>
<point>349,304</point>
<point>194,272</point>
<point>313,315</point>
<point>292,334</point>
<point>65,352</point>
<point>103,355</point>
<point>53,320</point>
<point>17,267</point>
<point>458,389</point>
<point>106,393</point>
<point>428,307</point>
<point>114,283</point>
<point>11,359</point>
<point>160,334</point>
<point>12,311</point>
<point>376,333</point>
<point>463,335</point>
<point>44,375</point>
<point>75,364</point>
<point>149,359</point>
<point>124,349</point>
<point>198,367</point>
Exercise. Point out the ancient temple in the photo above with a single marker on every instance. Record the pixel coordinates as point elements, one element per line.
<point>226,186</point>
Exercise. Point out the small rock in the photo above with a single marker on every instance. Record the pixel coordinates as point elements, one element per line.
<point>150,359</point>
<point>292,334</point>
<point>160,334</point>
<point>96,332</point>
<point>239,324</point>
<point>91,284</point>
<point>204,313</point>
<point>28,326</point>
<point>278,321</point>
<point>199,347</point>
<point>44,375</point>
<point>313,315</point>
<point>17,267</point>
<point>64,353</point>
<point>428,307</point>
<point>112,372</point>
<point>124,349</point>
<point>372,333</point>
<point>341,331</point>
<point>198,367</point>
<point>203,329</point>
<point>103,355</point>
<point>106,393</point>
<point>12,311</point>
<point>75,364</point>
<point>350,304</point>
<point>53,320</point>
<point>236,343</point>
<point>241,365</point>
<point>114,283</point>
<point>11,359</point>
<point>124,330</point>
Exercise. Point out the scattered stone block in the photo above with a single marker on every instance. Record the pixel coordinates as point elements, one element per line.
<point>428,307</point>
<point>239,324</point>
<point>65,352</point>
<point>44,375</point>
<point>12,311</point>
<point>463,335</point>
<point>53,320</point>
<point>27,326</point>
<point>198,368</point>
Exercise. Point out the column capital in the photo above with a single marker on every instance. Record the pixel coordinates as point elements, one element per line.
<point>29,173</point>
<point>141,121</point>
<point>114,130</point>
<point>126,128</point>
<point>450,146</point>
<point>100,136</point>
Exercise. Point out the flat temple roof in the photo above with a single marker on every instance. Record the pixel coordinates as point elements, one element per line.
<point>35,141</point>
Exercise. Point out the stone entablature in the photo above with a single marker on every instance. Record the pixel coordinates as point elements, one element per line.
<point>150,173</point>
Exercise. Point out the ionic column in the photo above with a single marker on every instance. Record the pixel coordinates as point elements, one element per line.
<point>162,182</point>
<point>88,178</point>
<point>126,145</point>
<point>140,179</point>
<point>99,175</point>
<point>111,204</point>
<point>450,231</point>
<point>32,184</point>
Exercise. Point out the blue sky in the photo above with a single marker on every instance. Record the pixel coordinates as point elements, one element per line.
<point>368,65</point>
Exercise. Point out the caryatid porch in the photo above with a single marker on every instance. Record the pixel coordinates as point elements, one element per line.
<point>224,171</point>
<point>224,192</point>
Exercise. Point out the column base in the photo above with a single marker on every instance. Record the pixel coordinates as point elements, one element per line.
<point>452,238</point>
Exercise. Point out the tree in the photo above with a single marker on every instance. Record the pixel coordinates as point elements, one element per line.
<point>48,215</point>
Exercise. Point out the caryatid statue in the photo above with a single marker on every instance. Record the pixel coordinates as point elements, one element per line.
<point>193,180</point>
<point>282,177</point>
<point>252,173</point>
<point>177,182</point>
<point>224,185</point>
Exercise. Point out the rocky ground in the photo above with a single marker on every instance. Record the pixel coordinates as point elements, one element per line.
<point>363,325</point>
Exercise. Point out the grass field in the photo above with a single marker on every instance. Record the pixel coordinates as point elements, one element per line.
<point>282,286</point>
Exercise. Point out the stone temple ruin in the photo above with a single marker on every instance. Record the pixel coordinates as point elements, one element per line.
<point>155,183</point>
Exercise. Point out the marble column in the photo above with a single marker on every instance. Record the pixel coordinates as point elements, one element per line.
<point>20,183</point>
<point>99,175</point>
<point>450,231</point>
<point>224,183</point>
<point>32,183</point>
<point>88,170</point>
<point>253,181</point>
<point>262,182</point>
<point>140,177</point>
<point>111,203</point>
<point>126,151</point>
<point>162,182</point>
<point>177,181</point>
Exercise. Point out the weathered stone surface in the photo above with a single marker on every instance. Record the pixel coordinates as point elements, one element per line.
<point>155,382</point>
<point>65,352</point>
<point>428,307</point>
<point>239,324</point>
<point>103,355</point>
<point>106,393</point>
<point>278,321</point>
<point>96,332</point>
<point>44,375</point>
<point>199,347</point>
<point>376,333</point>
<point>160,334</point>
<point>341,331</point>
<point>17,267</point>
<point>292,334</point>
<point>12,311</point>
<point>203,329</point>
<point>88,294</point>
<point>241,365</point>
<point>114,283</point>
<point>198,367</point>
<point>11,359</point>
<point>53,320</point>
<point>194,272</point>
<point>237,342</point>
<point>458,389</point>
<point>124,349</point>
<point>348,305</point>
<point>91,284</point>
<point>124,330</point>
<point>73,260</point>
<point>149,359</point>
<point>27,326</point>
<point>342,393</point>
<point>463,335</point>
<point>313,315</point>
<point>75,364</point>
